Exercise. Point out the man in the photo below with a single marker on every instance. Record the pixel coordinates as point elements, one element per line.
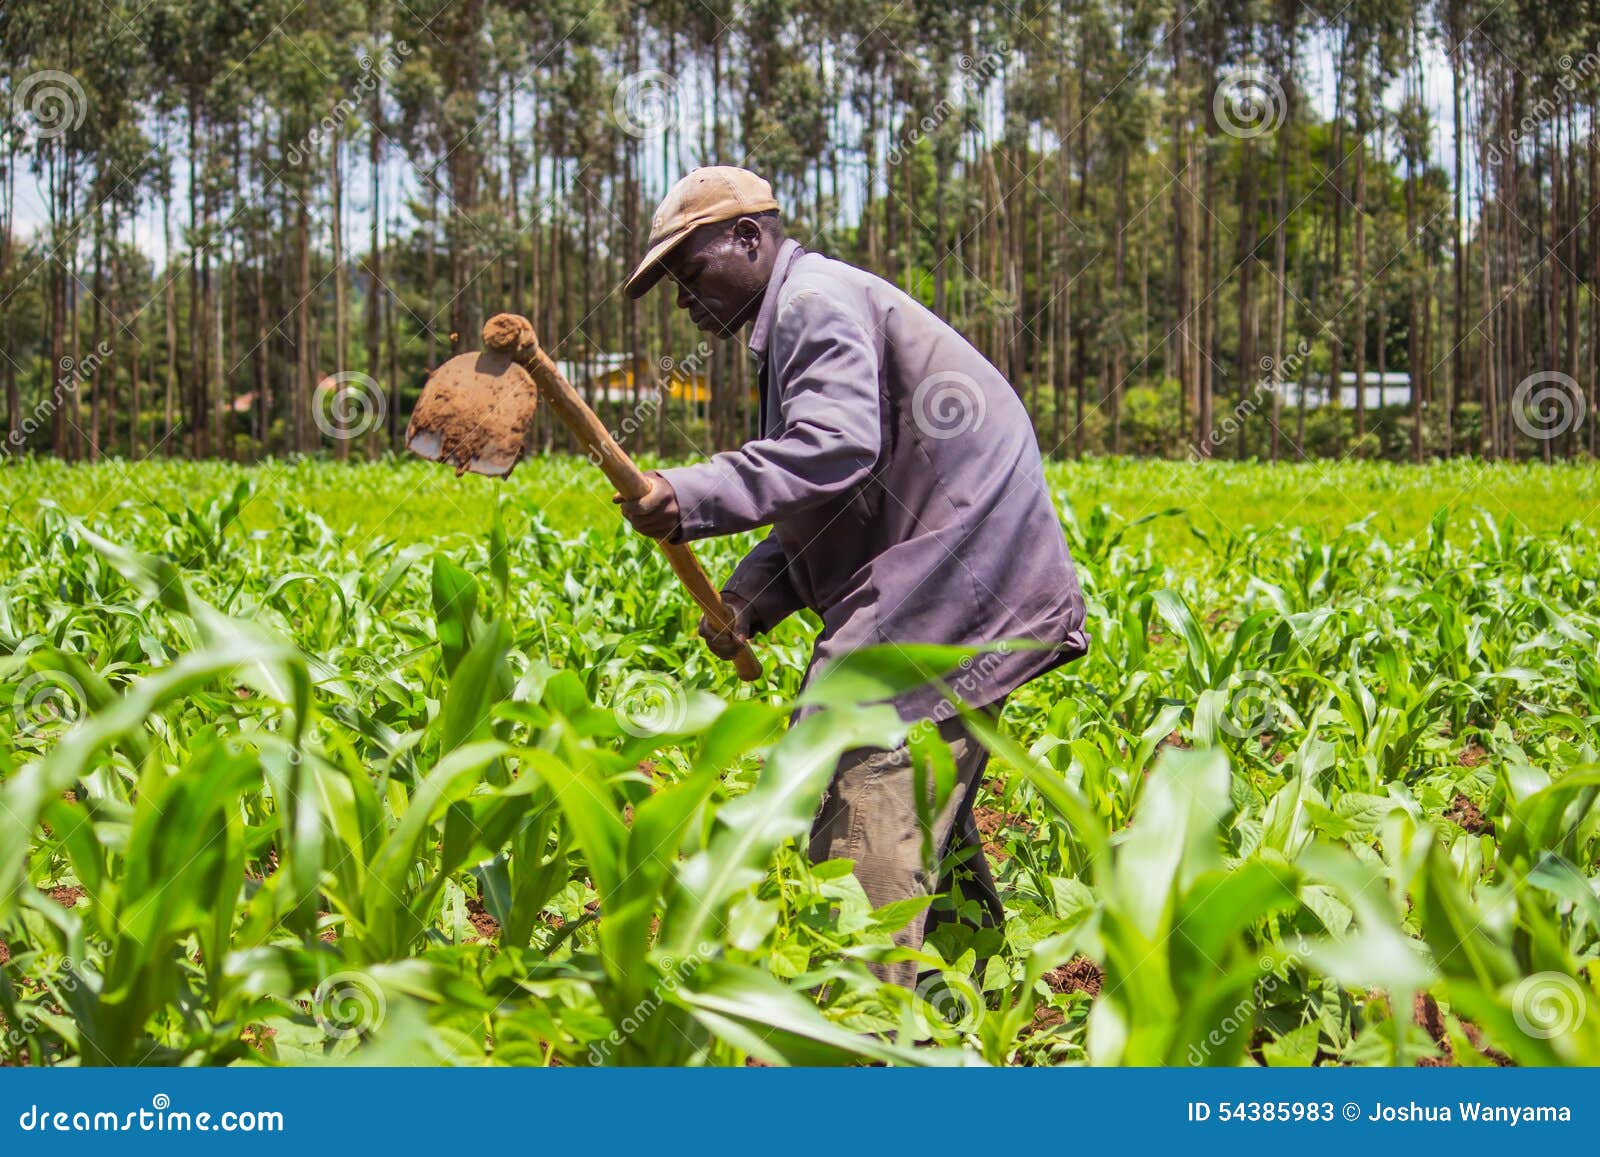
<point>902,481</point>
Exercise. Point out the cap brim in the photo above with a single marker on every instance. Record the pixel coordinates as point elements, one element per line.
<point>650,270</point>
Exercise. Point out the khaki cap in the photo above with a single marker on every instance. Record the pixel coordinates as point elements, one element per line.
<point>714,193</point>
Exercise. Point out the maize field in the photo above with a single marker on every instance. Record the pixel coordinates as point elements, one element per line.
<point>309,763</point>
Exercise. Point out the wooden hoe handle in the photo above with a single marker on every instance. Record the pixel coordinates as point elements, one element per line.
<point>514,335</point>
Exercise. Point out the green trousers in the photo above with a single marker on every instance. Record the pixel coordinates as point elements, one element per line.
<point>869,815</point>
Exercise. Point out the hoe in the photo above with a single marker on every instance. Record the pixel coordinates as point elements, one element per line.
<point>474,414</point>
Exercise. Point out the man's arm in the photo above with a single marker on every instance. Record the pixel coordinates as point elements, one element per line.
<point>761,583</point>
<point>827,365</point>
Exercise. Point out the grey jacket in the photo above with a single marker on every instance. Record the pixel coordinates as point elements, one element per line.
<point>902,480</point>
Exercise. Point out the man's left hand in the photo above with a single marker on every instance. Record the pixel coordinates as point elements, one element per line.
<point>656,514</point>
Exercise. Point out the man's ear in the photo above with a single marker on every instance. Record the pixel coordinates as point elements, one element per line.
<point>747,232</point>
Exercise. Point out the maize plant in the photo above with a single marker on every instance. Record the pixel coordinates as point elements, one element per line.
<point>299,771</point>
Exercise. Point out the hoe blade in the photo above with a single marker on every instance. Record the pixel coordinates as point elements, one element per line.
<point>474,414</point>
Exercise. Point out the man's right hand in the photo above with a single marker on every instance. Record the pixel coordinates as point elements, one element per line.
<point>725,644</point>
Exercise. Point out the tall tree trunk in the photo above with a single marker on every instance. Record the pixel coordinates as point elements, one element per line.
<point>341,305</point>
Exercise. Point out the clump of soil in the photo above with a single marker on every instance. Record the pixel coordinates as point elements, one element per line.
<point>67,895</point>
<point>1467,814</point>
<point>1473,755</point>
<point>475,407</point>
<point>1080,974</point>
<point>327,935</point>
<point>5,952</point>
<point>488,927</point>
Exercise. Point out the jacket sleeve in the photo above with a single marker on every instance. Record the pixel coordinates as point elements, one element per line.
<point>762,580</point>
<point>826,367</point>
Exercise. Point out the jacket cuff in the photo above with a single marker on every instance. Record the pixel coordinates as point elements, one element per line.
<point>697,505</point>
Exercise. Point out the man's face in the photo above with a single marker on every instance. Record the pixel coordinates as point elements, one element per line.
<point>721,271</point>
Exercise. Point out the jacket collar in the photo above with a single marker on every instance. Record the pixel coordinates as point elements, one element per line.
<point>761,330</point>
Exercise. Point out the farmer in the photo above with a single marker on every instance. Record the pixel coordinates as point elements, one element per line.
<point>901,479</point>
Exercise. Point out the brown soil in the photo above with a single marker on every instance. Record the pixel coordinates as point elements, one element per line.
<point>67,896</point>
<point>488,927</point>
<point>1475,1035</point>
<point>1466,813</point>
<point>1044,1018</point>
<point>327,935</point>
<point>479,405</point>
<point>1425,1011</point>
<point>1177,740</point>
<point>1080,974</point>
<point>5,952</point>
<point>1473,755</point>
<point>990,823</point>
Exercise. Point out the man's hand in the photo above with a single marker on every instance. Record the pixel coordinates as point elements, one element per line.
<point>656,514</point>
<point>725,645</point>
